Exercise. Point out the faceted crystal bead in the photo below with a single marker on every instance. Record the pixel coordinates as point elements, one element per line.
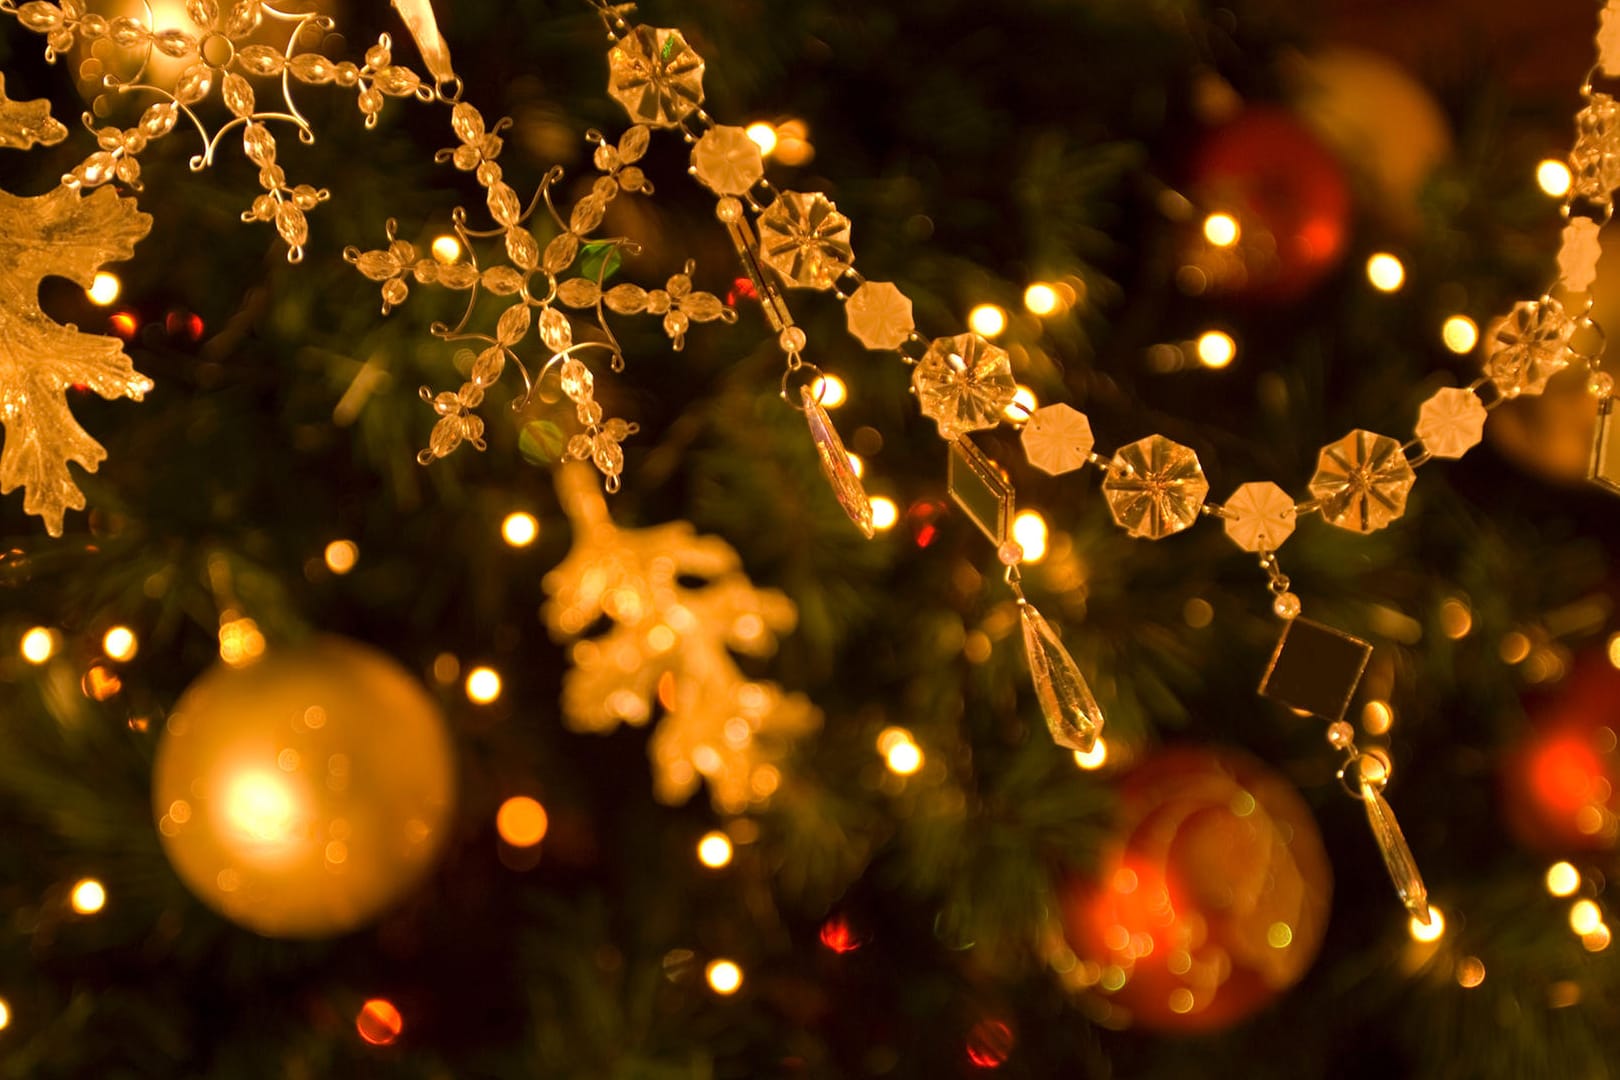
<point>978,487</point>
<point>1530,346</point>
<point>1315,668</point>
<point>1071,712</point>
<point>656,76</point>
<point>1595,161</point>
<point>1155,487</point>
<point>1057,439</point>
<point>1451,423</point>
<point>879,315</point>
<point>1362,481</point>
<point>728,161</point>
<point>1398,860</point>
<point>1579,253</point>
<point>1340,734</point>
<point>962,383</point>
<point>1259,517</point>
<point>805,239</point>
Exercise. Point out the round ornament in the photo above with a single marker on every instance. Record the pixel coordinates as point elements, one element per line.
<point>1560,781</point>
<point>1289,197</point>
<point>1213,898</point>
<point>303,794</point>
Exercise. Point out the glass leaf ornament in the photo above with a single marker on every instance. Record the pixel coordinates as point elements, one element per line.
<point>1530,346</point>
<point>836,466</point>
<point>1452,422</point>
<point>1057,439</point>
<point>805,239</point>
<point>879,315</point>
<point>1398,860</point>
<point>1259,517</point>
<point>25,124</point>
<point>1362,481</point>
<point>1071,712</point>
<point>727,161</point>
<point>1155,487</point>
<point>963,383</point>
<point>656,76</point>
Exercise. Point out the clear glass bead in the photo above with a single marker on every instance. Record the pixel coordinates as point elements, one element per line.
<point>963,383</point>
<point>1057,439</point>
<point>1362,481</point>
<point>1286,606</point>
<point>805,239</point>
<point>1340,735</point>
<point>1155,487</point>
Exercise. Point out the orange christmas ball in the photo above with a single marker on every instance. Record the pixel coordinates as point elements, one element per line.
<point>1212,900</point>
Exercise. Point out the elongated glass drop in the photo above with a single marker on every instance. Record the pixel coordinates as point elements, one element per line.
<point>1071,712</point>
<point>835,464</point>
<point>1398,859</point>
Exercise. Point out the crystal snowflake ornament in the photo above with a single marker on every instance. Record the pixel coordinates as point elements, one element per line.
<point>1057,439</point>
<point>1362,481</point>
<point>963,383</point>
<point>879,315</point>
<point>656,76</point>
<point>1155,487</point>
<point>805,239</point>
<point>1259,517</point>
<point>1451,423</point>
<point>1531,346</point>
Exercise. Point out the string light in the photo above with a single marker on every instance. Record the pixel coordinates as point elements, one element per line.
<point>1598,939</point>
<point>483,685</point>
<point>341,555</point>
<point>1563,879</point>
<point>88,896</point>
<point>1585,916</point>
<point>1221,230</point>
<point>379,1022</point>
<point>1041,299</point>
<point>1460,334</point>
<point>38,645</point>
<point>987,320</point>
<point>1093,759</point>
<point>447,249</point>
<point>1022,406</point>
<point>884,513</point>
<point>522,821</point>
<point>240,642</point>
<point>119,643</point>
<point>520,529</point>
<point>830,391</point>
<point>1553,177</point>
<point>1385,272</point>
<point>725,978</point>
<point>1434,931</point>
<point>1029,529</point>
<point>764,136</point>
<point>5,1014</point>
<point>104,289</point>
<point>1216,349</point>
<point>714,850</point>
<point>903,757</point>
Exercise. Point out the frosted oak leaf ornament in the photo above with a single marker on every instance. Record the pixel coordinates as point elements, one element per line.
<point>670,648</point>
<point>23,124</point>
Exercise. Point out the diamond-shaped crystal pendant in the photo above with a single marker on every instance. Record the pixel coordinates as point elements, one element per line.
<point>1071,712</point>
<point>978,487</point>
<point>1605,467</point>
<point>836,466</point>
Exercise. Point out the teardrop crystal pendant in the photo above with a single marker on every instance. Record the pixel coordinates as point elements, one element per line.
<point>1071,712</point>
<point>835,464</point>
<point>1398,859</point>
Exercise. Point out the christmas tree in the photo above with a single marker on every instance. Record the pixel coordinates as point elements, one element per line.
<point>321,761</point>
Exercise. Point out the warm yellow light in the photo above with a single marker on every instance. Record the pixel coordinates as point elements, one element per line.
<point>904,758</point>
<point>261,810</point>
<point>889,736</point>
<point>1563,879</point>
<point>1041,299</point>
<point>341,555</point>
<point>1585,916</point>
<point>520,529</point>
<point>1022,405</point>
<point>522,821</point>
<point>1470,972</point>
<point>1614,650</point>
<point>764,136</point>
<point>5,1014</point>
<point>1385,272</point>
<point>119,643</point>
<point>714,850</point>
<point>447,249</point>
<point>1552,176</point>
<point>1221,230</point>
<point>724,976</point>
<point>1092,759</point>
<point>104,289</point>
<point>379,1022</point>
<point>1432,932</point>
<point>1377,717</point>
<point>884,512</point>
<point>88,897</point>
<point>1216,349</point>
<point>857,464</point>
<point>240,642</point>
<point>483,685</point>
<point>987,320</point>
<point>830,391</point>
<point>38,645</point>
<point>1029,529</point>
<point>1598,939</point>
<point>1460,333</point>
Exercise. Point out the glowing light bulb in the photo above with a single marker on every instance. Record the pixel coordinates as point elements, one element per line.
<point>522,821</point>
<point>714,850</point>
<point>1023,404</point>
<point>38,645</point>
<point>1563,879</point>
<point>1432,932</point>
<point>1553,177</point>
<point>1029,529</point>
<point>88,896</point>
<point>447,248</point>
<point>341,555</point>
<point>104,289</point>
<point>1041,299</point>
<point>379,1022</point>
<point>724,977</point>
<point>884,513</point>
<point>520,529</point>
<point>830,391</point>
<point>1460,334</point>
<point>1216,349</point>
<point>903,757</point>
<point>483,685</point>
<point>1093,759</point>
<point>1385,272</point>
<point>119,643</point>
<point>5,1014</point>
<point>987,320</point>
<point>1221,230</point>
<point>1585,916</point>
<point>764,136</point>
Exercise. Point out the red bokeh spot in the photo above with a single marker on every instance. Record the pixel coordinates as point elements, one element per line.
<point>741,289</point>
<point>1564,773</point>
<point>989,1044</point>
<point>379,1022</point>
<point>839,936</point>
<point>921,518</point>
<point>124,324</point>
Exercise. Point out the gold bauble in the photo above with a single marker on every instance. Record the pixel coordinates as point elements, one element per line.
<point>302,795</point>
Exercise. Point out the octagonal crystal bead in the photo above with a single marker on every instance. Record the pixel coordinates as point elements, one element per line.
<point>805,239</point>
<point>879,315</point>
<point>1259,517</point>
<point>963,383</point>
<point>656,76</point>
<point>1155,487</point>
<point>727,161</point>
<point>1057,439</point>
<point>1451,423</point>
<point>1529,347</point>
<point>1362,481</point>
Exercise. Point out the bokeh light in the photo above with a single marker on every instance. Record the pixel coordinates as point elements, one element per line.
<point>903,757</point>
<point>104,289</point>
<point>483,685</point>
<point>884,512</point>
<point>341,555</point>
<point>714,850</point>
<point>1470,972</point>
<point>1563,879</point>
<point>38,645</point>
<point>1092,759</point>
<point>522,821</point>
<point>830,391</point>
<point>88,896</point>
<point>724,976</point>
<point>1460,334</point>
<point>1041,299</point>
<point>5,1014</point>
<point>1585,916</point>
<point>1553,177</point>
<point>1023,403</point>
<point>1221,230</point>
<point>1385,272</point>
<point>447,248</point>
<point>120,643</point>
<point>1435,929</point>
<point>520,529</point>
<point>1216,349</point>
<point>379,1022</point>
<point>987,320</point>
<point>1029,529</point>
<point>764,136</point>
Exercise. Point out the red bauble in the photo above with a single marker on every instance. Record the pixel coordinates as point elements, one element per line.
<point>1290,197</point>
<point>1212,900</point>
<point>1560,781</point>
